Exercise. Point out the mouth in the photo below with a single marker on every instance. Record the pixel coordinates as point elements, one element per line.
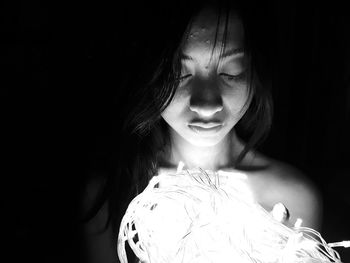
<point>205,127</point>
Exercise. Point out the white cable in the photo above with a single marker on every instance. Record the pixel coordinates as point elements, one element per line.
<point>193,218</point>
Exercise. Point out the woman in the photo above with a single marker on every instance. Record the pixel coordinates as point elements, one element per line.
<point>202,96</point>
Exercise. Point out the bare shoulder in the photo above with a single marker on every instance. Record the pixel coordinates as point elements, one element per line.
<point>284,183</point>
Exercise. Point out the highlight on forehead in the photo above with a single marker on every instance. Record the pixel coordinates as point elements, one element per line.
<point>218,24</point>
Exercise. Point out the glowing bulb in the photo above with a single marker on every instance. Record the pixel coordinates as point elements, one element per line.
<point>280,212</point>
<point>298,223</point>
<point>206,216</point>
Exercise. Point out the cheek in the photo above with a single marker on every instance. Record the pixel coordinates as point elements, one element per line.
<point>177,107</point>
<point>235,101</point>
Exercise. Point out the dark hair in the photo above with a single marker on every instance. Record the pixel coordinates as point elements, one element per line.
<point>144,132</point>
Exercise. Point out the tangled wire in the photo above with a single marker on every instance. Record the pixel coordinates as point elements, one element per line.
<point>204,216</point>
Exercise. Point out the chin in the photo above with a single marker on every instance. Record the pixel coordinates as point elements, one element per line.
<point>205,142</point>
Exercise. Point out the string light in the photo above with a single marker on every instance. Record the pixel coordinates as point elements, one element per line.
<point>205,216</point>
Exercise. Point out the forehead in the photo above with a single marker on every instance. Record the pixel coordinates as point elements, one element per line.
<point>206,25</point>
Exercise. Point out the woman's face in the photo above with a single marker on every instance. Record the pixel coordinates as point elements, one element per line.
<point>212,94</point>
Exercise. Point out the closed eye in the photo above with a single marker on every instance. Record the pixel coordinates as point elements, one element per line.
<point>181,78</point>
<point>230,77</point>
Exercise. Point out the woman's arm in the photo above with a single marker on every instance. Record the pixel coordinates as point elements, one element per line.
<point>98,241</point>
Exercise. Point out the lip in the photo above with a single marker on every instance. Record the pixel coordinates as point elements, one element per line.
<point>205,127</point>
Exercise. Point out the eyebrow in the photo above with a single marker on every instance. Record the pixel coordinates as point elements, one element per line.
<point>227,53</point>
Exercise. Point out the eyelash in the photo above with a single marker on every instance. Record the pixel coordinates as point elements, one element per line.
<point>182,78</point>
<point>229,77</point>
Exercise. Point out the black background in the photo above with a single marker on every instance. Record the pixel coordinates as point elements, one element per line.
<point>60,100</point>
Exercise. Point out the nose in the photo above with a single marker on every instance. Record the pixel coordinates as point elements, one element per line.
<point>206,101</point>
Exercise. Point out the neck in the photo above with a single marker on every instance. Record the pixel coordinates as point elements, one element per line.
<point>206,157</point>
